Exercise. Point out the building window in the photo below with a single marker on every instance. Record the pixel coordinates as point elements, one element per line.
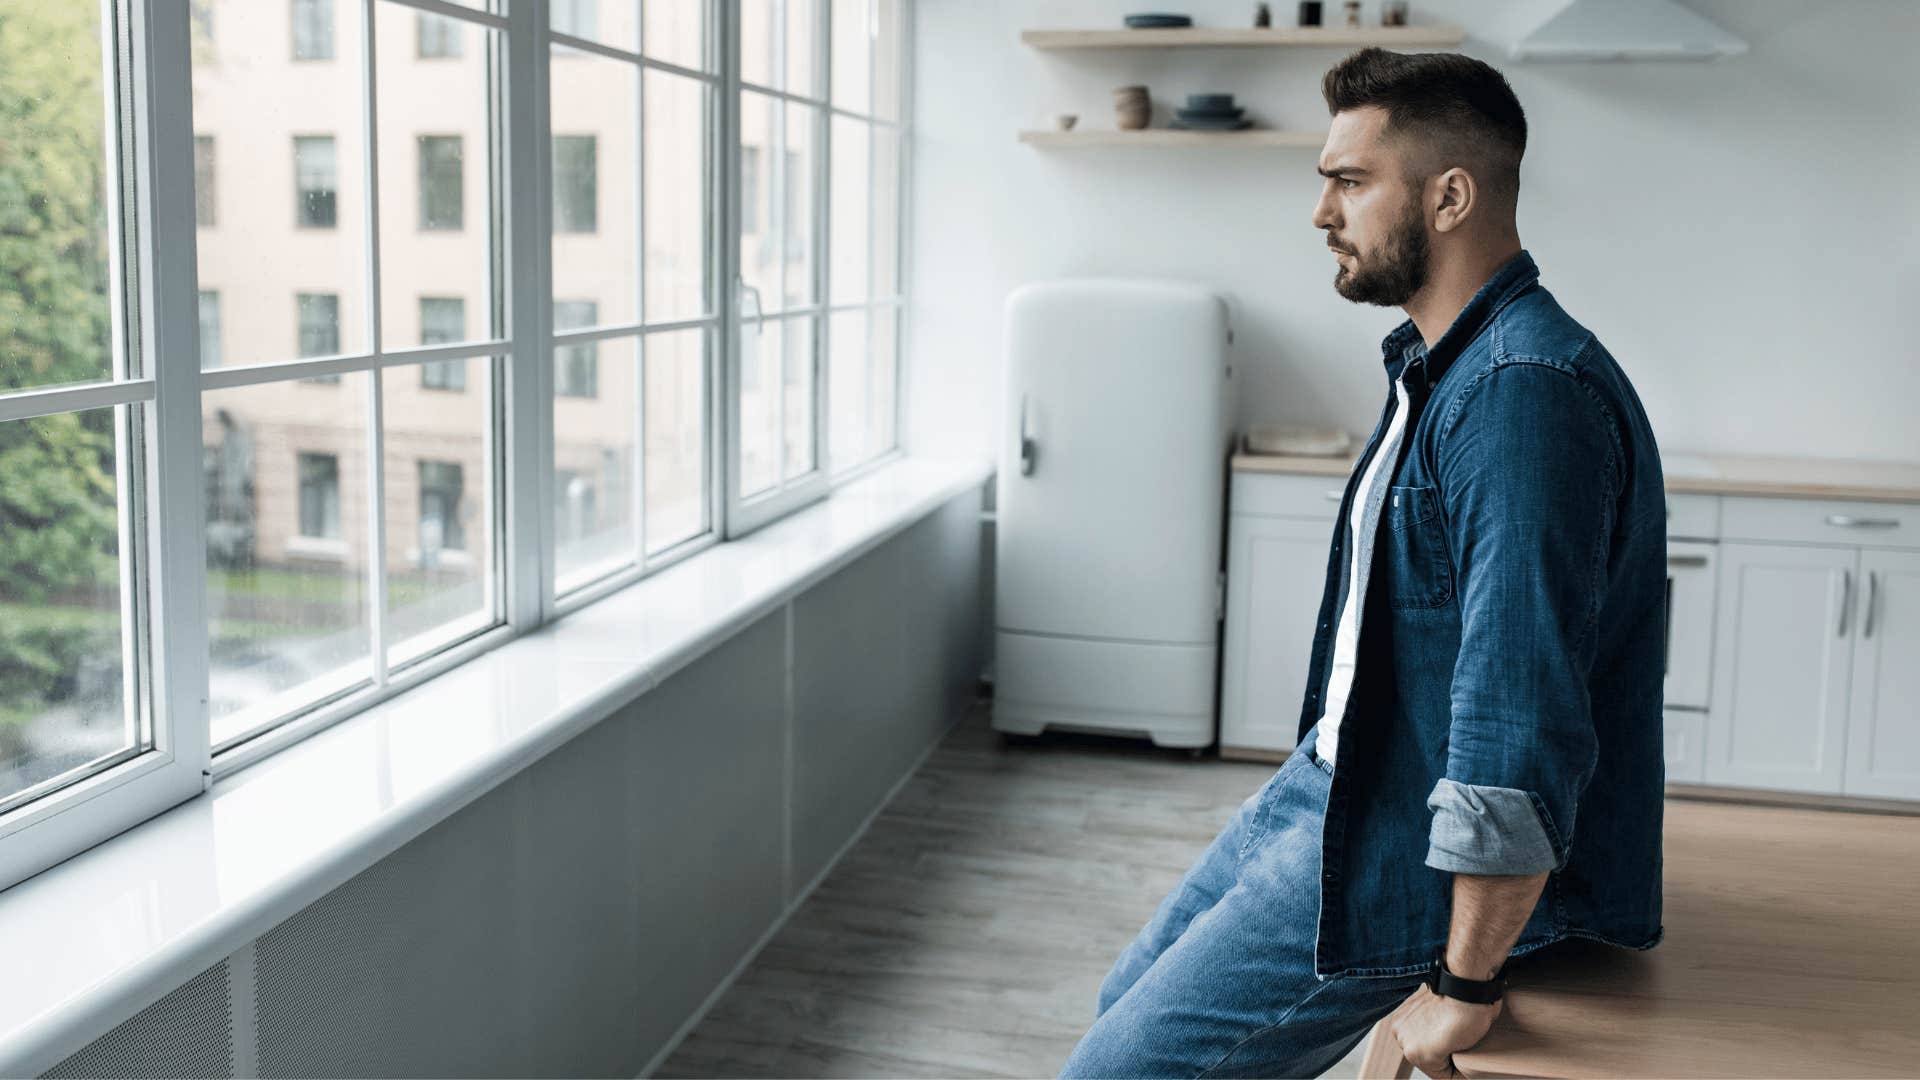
<point>319,315</point>
<point>574,17</point>
<point>442,196</point>
<point>440,510</point>
<point>443,321</point>
<point>313,29</point>
<point>203,191</point>
<point>575,187</point>
<point>316,181</point>
<point>576,367</point>
<point>436,37</point>
<point>202,12</point>
<point>320,496</point>
<point>209,329</point>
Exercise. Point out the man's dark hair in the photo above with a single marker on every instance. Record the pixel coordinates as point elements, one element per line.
<point>1453,109</point>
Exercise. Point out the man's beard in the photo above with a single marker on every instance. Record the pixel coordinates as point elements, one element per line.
<point>1391,274</point>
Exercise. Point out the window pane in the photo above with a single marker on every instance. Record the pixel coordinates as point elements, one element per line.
<point>593,456</point>
<point>797,354</point>
<point>316,179</point>
<point>442,194</point>
<point>596,242</point>
<point>676,437</point>
<point>850,247</point>
<point>576,367</point>
<point>63,702</point>
<point>759,43</point>
<point>760,243</point>
<point>289,126</point>
<point>886,59</point>
<point>209,329</point>
<point>440,509</point>
<point>435,147</point>
<point>585,19</point>
<point>203,181</point>
<point>760,363</point>
<point>803,22</point>
<point>438,37</point>
<point>312,29</point>
<point>886,212</point>
<point>852,42</point>
<point>286,501</point>
<point>678,221</point>
<point>799,209</point>
<point>56,323</point>
<point>861,382</point>
<point>677,32</point>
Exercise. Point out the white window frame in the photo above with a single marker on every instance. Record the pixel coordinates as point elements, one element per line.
<point>157,273</point>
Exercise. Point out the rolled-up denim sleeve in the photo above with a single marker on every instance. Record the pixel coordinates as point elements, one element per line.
<point>1529,466</point>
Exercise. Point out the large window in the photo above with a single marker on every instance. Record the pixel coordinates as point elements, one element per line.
<point>312,516</point>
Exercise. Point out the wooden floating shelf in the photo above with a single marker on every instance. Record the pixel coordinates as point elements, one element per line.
<point>1309,140</point>
<point>1391,37</point>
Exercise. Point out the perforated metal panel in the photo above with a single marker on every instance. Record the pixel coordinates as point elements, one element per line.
<point>187,1033</point>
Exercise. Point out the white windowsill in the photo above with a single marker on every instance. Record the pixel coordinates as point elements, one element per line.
<point>88,943</point>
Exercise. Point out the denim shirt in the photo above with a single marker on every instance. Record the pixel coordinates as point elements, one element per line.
<point>1505,716</point>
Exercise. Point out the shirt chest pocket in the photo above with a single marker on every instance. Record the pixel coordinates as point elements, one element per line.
<point>1418,572</point>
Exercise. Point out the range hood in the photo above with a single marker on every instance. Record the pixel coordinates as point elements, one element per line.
<point>1626,30</point>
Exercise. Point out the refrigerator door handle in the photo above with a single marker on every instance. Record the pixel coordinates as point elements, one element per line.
<point>1029,450</point>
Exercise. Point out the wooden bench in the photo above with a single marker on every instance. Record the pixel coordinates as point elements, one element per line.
<point>1792,949</point>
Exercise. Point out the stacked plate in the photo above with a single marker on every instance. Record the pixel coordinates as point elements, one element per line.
<point>1157,21</point>
<point>1211,112</point>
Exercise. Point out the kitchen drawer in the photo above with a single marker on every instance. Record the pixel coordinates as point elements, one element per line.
<point>1821,521</point>
<point>1287,495</point>
<point>1693,517</point>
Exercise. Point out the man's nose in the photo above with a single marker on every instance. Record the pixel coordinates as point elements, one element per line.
<point>1323,215</point>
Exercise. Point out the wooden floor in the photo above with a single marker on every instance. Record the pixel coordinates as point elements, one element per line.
<point>967,932</point>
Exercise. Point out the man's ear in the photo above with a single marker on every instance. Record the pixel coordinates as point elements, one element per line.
<point>1454,197</point>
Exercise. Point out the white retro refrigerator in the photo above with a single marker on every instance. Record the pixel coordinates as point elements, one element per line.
<point>1110,509</point>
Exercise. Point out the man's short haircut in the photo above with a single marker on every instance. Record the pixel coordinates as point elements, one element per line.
<point>1453,110</point>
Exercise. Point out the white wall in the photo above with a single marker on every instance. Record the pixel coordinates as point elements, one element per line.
<point>1744,236</point>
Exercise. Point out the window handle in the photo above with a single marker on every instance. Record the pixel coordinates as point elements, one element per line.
<point>1848,521</point>
<point>1873,601</point>
<point>759,312</point>
<point>1029,450</point>
<point>1846,594</point>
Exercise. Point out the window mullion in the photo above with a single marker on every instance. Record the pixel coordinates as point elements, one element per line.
<point>728,346</point>
<point>376,486</point>
<point>529,541</point>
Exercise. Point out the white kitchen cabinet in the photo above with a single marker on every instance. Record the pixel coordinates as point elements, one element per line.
<point>1883,712</point>
<point>1782,657</point>
<point>1276,569</point>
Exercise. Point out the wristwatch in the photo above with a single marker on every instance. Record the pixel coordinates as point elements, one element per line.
<point>1478,991</point>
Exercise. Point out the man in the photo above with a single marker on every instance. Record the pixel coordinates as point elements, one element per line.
<point>1479,769</point>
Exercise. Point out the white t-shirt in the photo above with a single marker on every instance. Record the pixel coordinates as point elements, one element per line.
<point>1363,521</point>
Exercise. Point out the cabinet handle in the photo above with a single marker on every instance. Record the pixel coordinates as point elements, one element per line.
<point>1029,450</point>
<point>1686,560</point>
<point>1334,496</point>
<point>1848,521</point>
<point>1846,595</point>
<point>1873,601</point>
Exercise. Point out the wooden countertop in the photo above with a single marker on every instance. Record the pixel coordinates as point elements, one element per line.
<point>1703,474</point>
<point>1792,948</point>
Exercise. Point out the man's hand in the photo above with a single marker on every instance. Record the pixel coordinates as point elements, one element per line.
<point>1431,1027</point>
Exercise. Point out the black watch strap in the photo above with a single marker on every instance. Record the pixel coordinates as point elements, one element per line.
<point>1478,991</point>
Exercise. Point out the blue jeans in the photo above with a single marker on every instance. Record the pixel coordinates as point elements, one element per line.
<point>1220,981</point>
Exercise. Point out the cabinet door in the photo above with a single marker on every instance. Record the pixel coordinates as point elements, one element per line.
<point>1782,650</point>
<point>1690,583</point>
<point>1276,571</point>
<point>1883,711</point>
<point>1686,737</point>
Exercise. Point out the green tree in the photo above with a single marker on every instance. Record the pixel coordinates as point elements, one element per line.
<point>57,516</point>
